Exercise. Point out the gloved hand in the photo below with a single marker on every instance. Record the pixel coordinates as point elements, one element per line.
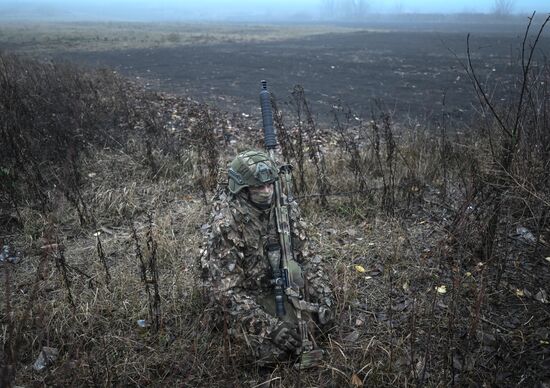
<point>325,315</point>
<point>286,337</point>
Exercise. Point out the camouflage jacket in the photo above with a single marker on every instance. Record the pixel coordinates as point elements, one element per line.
<point>236,273</point>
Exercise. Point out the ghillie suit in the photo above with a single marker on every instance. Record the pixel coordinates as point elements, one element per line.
<point>237,274</point>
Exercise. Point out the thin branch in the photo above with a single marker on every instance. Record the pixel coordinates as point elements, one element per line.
<point>482,91</point>
<point>526,68</point>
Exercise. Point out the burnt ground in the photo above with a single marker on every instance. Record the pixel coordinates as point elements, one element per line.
<point>414,74</point>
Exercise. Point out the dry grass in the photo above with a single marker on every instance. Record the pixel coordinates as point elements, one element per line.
<point>392,328</point>
<point>391,323</point>
<point>44,38</point>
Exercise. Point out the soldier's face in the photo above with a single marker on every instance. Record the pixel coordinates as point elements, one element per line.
<point>261,195</point>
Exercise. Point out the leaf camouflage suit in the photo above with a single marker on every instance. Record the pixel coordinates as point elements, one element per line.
<point>237,277</point>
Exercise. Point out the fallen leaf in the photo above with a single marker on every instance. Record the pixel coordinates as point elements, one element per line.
<point>406,287</point>
<point>547,259</point>
<point>352,337</point>
<point>543,342</point>
<point>486,339</point>
<point>360,269</point>
<point>441,289</point>
<point>519,292</point>
<point>542,297</point>
<point>468,274</point>
<point>46,357</point>
<point>524,234</point>
<point>356,381</point>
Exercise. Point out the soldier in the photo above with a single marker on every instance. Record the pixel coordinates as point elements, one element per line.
<point>238,275</point>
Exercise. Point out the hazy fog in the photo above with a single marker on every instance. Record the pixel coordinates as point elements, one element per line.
<point>257,10</point>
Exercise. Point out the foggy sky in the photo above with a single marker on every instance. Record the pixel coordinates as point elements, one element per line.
<point>143,10</point>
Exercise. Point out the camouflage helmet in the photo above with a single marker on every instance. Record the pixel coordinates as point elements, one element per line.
<point>251,168</point>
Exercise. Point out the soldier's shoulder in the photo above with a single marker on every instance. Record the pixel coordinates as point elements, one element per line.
<point>225,215</point>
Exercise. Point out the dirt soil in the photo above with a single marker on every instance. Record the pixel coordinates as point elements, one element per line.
<point>414,74</point>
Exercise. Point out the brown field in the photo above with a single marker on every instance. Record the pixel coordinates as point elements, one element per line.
<point>415,71</point>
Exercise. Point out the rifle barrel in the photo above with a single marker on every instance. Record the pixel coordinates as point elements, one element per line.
<point>267,118</point>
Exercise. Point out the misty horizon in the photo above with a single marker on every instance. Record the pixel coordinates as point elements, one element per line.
<point>245,10</point>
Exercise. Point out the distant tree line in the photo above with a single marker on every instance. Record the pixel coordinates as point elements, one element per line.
<point>350,10</point>
<point>503,7</point>
<point>344,9</point>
